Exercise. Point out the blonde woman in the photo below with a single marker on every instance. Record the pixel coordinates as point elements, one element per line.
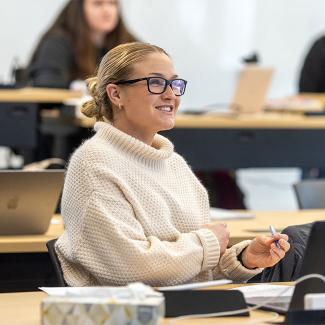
<point>133,210</point>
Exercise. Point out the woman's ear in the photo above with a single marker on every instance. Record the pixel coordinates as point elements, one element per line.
<point>113,93</point>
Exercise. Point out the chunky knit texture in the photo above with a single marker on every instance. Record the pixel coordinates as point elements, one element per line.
<point>134,212</point>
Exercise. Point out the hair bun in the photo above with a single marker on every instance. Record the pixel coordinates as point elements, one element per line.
<point>91,107</point>
<point>92,86</point>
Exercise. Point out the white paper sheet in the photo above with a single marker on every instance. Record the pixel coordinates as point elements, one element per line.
<point>135,290</point>
<point>266,290</point>
<point>196,285</point>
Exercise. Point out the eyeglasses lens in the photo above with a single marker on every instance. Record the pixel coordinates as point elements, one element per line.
<point>158,86</point>
<point>178,86</point>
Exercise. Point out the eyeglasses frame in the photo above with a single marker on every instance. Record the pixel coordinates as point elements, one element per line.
<point>167,83</point>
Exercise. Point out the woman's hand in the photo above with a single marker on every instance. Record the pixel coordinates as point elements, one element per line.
<point>263,252</point>
<point>221,232</point>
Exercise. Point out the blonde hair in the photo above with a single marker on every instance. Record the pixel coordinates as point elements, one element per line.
<point>116,65</point>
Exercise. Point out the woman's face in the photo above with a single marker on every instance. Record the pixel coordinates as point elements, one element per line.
<point>101,15</point>
<point>141,113</point>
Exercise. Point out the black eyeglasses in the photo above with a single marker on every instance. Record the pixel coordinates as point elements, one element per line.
<point>158,85</point>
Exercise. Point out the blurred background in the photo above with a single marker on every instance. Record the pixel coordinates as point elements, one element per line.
<point>208,40</point>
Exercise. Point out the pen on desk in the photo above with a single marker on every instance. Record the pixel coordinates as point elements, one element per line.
<point>273,232</point>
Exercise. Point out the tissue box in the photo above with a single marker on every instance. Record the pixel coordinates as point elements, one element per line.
<point>65,310</point>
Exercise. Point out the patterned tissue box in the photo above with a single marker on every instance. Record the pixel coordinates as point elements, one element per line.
<point>92,310</point>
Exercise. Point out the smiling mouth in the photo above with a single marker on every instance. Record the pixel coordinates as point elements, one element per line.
<point>165,108</point>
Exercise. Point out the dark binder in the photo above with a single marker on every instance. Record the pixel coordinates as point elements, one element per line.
<point>190,302</point>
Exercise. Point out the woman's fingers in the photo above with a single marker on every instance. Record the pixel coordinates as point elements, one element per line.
<point>282,240</point>
<point>274,255</point>
<point>284,245</point>
<point>278,251</point>
<point>284,236</point>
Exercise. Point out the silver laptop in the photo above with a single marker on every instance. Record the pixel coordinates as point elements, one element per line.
<point>28,200</point>
<point>251,90</point>
<point>249,96</point>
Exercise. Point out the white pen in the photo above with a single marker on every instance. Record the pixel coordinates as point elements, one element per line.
<point>273,232</point>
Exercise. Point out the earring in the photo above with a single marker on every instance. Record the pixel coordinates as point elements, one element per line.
<point>120,106</point>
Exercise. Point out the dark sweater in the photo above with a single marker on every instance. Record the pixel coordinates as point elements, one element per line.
<point>312,78</point>
<point>289,268</point>
<point>54,63</point>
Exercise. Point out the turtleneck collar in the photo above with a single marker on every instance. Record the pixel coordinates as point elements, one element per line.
<point>160,149</point>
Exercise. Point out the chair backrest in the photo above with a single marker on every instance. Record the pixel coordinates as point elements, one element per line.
<point>310,194</point>
<point>19,116</point>
<point>56,263</point>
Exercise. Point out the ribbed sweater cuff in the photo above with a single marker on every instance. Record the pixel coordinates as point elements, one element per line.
<point>211,248</point>
<point>232,268</point>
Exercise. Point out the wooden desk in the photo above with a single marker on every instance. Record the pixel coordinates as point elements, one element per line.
<point>243,141</point>
<point>317,96</point>
<point>24,308</point>
<point>37,95</point>
<point>210,142</point>
<point>25,262</point>
<point>249,121</point>
<point>275,140</point>
<point>206,142</point>
<point>250,228</point>
<point>20,119</point>
<point>31,243</point>
<point>239,229</point>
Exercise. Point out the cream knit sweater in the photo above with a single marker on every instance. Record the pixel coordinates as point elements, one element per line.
<point>134,212</point>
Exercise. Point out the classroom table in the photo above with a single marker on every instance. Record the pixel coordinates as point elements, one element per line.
<point>20,121</point>
<point>25,263</point>
<point>252,141</point>
<point>210,142</point>
<point>32,243</point>
<point>240,229</point>
<point>37,95</point>
<point>249,228</point>
<point>28,306</point>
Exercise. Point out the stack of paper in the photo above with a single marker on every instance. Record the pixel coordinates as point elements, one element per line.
<point>263,293</point>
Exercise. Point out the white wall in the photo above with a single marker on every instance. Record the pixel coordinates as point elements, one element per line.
<point>206,38</point>
<point>21,24</point>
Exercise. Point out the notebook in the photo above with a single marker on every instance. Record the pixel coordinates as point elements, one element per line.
<point>313,262</point>
<point>28,200</point>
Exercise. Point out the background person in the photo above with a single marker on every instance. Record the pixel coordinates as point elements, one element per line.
<point>71,50</point>
<point>312,80</point>
<point>312,75</point>
<point>132,208</point>
<point>73,46</point>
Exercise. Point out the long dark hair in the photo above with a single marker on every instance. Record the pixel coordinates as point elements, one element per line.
<point>71,23</point>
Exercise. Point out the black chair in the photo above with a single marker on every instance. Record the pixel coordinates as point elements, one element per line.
<point>56,263</point>
<point>310,194</point>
